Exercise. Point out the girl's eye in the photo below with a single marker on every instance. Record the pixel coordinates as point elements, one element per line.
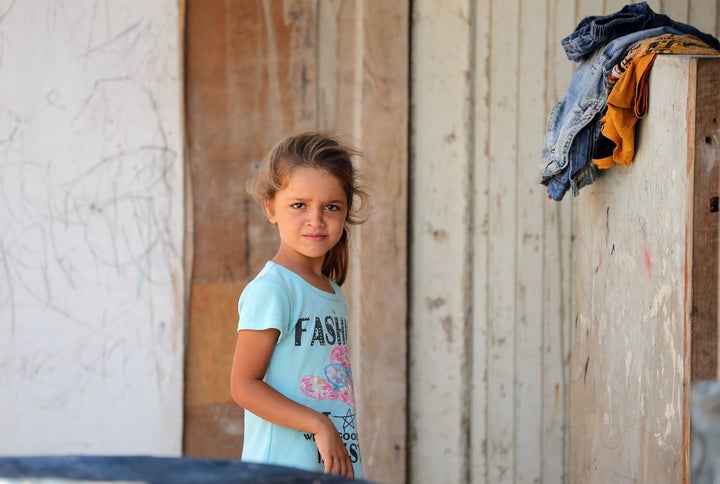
<point>298,205</point>
<point>332,208</point>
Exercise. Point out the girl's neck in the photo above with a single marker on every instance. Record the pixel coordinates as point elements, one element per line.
<point>311,272</point>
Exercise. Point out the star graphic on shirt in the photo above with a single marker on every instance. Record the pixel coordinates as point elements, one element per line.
<point>348,420</point>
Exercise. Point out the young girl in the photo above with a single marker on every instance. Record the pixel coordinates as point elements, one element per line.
<point>291,371</point>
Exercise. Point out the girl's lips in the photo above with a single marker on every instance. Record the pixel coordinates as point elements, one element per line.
<point>314,237</point>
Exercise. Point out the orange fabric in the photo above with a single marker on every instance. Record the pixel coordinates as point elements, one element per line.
<point>628,94</point>
<point>619,121</point>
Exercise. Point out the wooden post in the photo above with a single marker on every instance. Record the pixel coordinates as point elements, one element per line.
<point>645,268</point>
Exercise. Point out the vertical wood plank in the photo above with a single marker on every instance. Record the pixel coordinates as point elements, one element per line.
<point>705,153</point>
<point>563,17</point>
<point>481,279</point>
<point>655,5</point>
<point>439,289</point>
<point>677,10</point>
<point>339,47</point>
<point>703,15</point>
<point>250,80</point>
<point>378,286</point>
<point>612,6</point>
<point>531,379</point>
<point>502,250</point>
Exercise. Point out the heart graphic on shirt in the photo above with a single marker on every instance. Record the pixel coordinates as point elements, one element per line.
<point>337,384</point>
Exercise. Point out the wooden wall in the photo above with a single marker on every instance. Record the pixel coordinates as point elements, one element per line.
<point>94,113</point>
<point>491,322</point>
<point>489,273</point>
<point>255,72</point>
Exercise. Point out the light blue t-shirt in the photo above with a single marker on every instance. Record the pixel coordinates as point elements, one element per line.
<point>309,365</point>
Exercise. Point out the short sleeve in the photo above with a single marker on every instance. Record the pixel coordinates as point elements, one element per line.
<point>264,304</point>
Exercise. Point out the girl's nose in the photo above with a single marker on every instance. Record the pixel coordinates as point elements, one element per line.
<point>316,218</point>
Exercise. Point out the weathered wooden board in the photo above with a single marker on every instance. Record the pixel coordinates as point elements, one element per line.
<point>703,148</point>
<point>637,249</point>
<point>439,340</point>
<point>372,103</point>
<point>250,80</point>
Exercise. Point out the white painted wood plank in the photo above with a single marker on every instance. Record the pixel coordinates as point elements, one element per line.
<point>92,318</point>
<point>677,10</point>
<point>556,345</point>
<point>502,257</point>
<point>480,275</point>
<point>531,460</point>
<point>612,6</point>
<point>703,15</point>
<point>585,8</point>
<point>562,18</point>
<point>439,364</point>
<point>557,329</point>
<point>655,5</point>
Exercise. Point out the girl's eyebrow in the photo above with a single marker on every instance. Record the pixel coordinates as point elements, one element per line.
<point>302,199</point>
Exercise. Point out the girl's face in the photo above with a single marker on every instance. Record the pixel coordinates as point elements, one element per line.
<point>310,214</point>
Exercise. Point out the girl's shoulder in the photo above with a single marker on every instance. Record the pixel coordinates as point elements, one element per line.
<point>271,278</point>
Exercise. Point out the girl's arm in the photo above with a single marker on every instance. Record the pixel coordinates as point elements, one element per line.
<point>252,357</point>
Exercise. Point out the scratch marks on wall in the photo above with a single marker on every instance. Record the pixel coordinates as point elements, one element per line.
<point>91,226</point>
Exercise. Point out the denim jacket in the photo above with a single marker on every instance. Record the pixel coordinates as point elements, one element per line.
<point>574,122</point>
<point>593,32</point>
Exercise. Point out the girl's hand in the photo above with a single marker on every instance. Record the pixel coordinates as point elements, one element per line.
<point>250,363</point>
<point>333,451</point>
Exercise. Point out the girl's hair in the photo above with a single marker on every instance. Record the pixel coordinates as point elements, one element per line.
<point>322,150</point>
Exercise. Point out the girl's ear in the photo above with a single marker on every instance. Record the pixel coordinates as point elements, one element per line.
<point>269,210</point>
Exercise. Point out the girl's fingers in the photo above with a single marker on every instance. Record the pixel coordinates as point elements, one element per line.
<point>340,466</point>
